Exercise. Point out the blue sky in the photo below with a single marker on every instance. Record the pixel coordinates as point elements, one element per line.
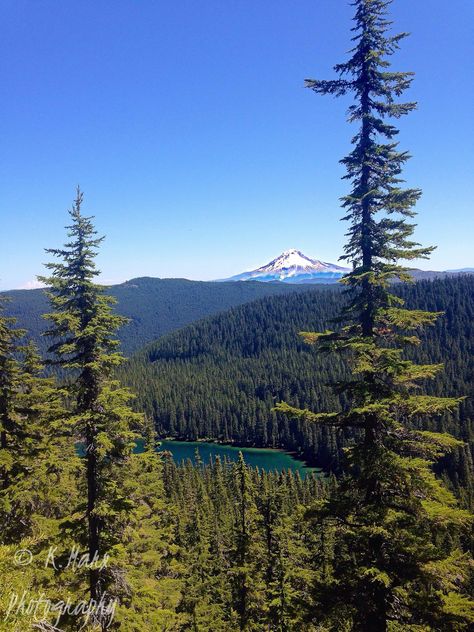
<point>199,151</point>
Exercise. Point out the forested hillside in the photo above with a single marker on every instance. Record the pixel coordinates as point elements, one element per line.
<point>220,378</point>
<point>153,306</point>
<point>103,527</point>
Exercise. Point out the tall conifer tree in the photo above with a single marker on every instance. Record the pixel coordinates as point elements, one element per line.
<point>398,563</point>
<point>84,329</point>
<point>246,572</point>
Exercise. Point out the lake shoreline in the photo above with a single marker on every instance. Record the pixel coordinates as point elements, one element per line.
<point>249,446</point>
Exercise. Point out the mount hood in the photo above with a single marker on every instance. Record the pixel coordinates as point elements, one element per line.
<point>292,266</point>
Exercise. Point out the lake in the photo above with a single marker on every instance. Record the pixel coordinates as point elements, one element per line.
<point>265,458</point>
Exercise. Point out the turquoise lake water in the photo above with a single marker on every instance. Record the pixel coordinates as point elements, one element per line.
<point>264,458</point>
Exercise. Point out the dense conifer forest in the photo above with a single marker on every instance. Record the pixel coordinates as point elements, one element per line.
<point>221,377</point>
<point>372,380</point>
<point>153,307</point>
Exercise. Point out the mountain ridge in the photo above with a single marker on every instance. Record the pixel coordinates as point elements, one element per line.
<point>154,306</point>
<point>293,267</point>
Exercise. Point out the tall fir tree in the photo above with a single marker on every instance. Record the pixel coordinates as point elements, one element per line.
<point>397,532</point>
<point>84,327</point>
<point>247,568</point>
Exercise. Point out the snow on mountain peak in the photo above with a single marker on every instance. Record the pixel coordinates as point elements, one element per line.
<point>288,259</point>
<point>292,266</point>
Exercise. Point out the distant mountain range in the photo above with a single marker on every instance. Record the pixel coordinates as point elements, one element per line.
<point>292,266</point>
<point>154,306</point>
<point>158,306</point>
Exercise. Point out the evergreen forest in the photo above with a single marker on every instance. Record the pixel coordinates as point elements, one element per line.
<point>370,379</point>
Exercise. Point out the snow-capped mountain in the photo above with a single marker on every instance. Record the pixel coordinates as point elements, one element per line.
<point>292,266</point>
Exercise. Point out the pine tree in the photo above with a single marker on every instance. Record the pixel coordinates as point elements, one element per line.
<point>398,561</point>
<point>84,325</point>
<point>248,553</point>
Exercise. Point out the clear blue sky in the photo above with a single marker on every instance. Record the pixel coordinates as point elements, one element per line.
<point>200,153</point>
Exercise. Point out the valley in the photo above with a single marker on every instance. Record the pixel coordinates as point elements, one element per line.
<point>288,444</point>
<point>222,376</point>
